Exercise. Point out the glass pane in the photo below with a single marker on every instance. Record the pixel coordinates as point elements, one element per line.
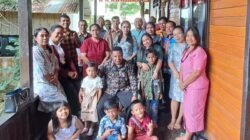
<point>185,18</point>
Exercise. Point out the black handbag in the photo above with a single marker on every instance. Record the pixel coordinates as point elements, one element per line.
<point>16,99</point>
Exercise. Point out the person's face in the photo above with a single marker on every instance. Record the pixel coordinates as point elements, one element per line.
<point>94,32</point>
<point>100,21</point>
<point>62,113</point>
<point>151,58</point>
<point>42,38</point>
<point>150,29</point>
<point>146,41</point>
<point>112,113</point>
<point>115,23</point>
<point>65,22</point>
<point>125,28</point>
<point>138,23</point>
<point>162,24</point>
<point>83,26</point>
<point>107,25</point>
<point>56,35</point>
<point>169,28</point>
<point>91,72</point>
<point>190,38</point>
<point>117,57</point>
<point>138,111</point>
<point>179,35</point>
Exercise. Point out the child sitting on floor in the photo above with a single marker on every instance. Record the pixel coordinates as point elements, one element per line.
<point>140,125</point>
<point>112,126</point>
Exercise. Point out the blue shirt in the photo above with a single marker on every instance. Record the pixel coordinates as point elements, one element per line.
<point>102,33</point>
<point>137,34</point>
<point>118,126</point>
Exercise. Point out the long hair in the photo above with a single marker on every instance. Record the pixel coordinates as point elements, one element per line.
<point>129,38</point>
<point>142,49</point>
<point>55,121</point>
<point>37,31</point>
<point>196,34</point>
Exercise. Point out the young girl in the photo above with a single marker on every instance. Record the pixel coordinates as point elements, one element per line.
<point>151,89</point>
<point>63,125</point>
<point>140,125</point>
<point>89,95</point>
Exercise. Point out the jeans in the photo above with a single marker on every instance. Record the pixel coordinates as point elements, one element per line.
<point>152,108</point>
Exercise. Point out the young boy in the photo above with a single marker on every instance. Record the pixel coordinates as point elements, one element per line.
<point>112,126</point>
<point>140,126</point>
<point>151,89</point>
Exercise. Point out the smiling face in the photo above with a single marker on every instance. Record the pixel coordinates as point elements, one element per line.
<point>138,23</point>
<point>95,31</point>
<point>150,29</point>
<point>125,28</point>
<point>169,28</point>
<point>62,113</point>
<point>190,38</point>
<point>146,41</point>
<point>117,57</point>
<point>65,22</point>
<point>112,113</point>
<point>179,35</point>
<point>162,24</point>
<point>83,26</point>
<point>42,38</point>
<point>138,110</point>
<point>56,35</point>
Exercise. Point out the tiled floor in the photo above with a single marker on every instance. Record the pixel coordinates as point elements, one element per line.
<point>162,132</point>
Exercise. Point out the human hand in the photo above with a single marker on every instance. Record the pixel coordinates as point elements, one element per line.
<point>81,96</point>
<point>133,98</point>
<point>150,125</point>
<point>155,76</point>
<point>177,75</point>
<point>182,85</point>
<point>108,132</point>
<point>145,67</point>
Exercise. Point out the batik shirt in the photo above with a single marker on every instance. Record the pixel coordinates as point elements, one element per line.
<point>119,78</point>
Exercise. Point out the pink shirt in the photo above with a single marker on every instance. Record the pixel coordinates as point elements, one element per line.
<point>195,60</point>
<point>137,131</point>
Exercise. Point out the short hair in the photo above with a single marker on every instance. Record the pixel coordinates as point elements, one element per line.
<point>135,102</point>
<point>172,22</point>
<point>150,23</point>
<point>83,20</point>
<point>117,49</point>
<point>180,28</point>
<point>110,103</point>
<point>196,34</point>
<point>92,65</point>
<point>54,27</point>
<point>163,18</point>
<point>151,50</point>
<point>64,16</point>
<point>115,17</point>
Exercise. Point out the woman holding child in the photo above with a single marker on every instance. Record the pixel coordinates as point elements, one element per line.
<point>194,83</point>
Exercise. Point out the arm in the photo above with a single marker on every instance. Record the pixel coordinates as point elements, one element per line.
<point>157,69</point>
<point>81,94</point>
<point>150,128</point>
<point>84,58</point>
<point>123,130</point>
<point>132,81</point>
<point>79,128</point>
<point>175,71</point>
<point>106,57</point>
<point>130,132</point>
<point>193,76</point>
<point>50,134</point>
<point>99,94</point>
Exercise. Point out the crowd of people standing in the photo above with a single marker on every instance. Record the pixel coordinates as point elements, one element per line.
<point>117,77</point>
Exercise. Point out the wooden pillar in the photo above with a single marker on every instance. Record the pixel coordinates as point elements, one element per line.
<point>163,5</point>
<point>81,10</point>
<point>95,11</point>
<point>142,4</point>
<point>25,41</point>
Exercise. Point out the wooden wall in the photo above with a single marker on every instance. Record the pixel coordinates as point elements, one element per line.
<point>9,22</point>
<point>226,65</point>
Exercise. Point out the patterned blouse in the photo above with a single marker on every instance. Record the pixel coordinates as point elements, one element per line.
<point>119,78</point>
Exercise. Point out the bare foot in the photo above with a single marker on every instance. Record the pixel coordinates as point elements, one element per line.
<point>171,125</point>
<point>177,126</point>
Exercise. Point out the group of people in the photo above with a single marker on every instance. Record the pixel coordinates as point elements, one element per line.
<point>115,78</point>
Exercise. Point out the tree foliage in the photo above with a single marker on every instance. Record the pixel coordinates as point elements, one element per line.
<point>124,8</point>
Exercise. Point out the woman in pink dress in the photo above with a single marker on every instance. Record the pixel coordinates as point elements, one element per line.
<point>194,83</point>
<point>94,49</point>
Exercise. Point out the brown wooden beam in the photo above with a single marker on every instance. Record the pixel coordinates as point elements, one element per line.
<point>25,42</point>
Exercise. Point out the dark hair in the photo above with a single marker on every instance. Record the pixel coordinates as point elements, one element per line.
<point>172,22</point>
<point>129,38</point>
<point>115,17</point>
<point>110,103</point>
<point>150,23</point>
<point>135,102</point>
<point>36,32</point>
<point>55,121</point>
<point>163,18</point>
<point>180,28</point>
<point>96,25</point>
<point>54,27</point>
<point>151,50</point>
<point>101,17</point>
<point>196,34</point>
<point>92,65</point>
<point>64,16</point>
<point>117,49</point>
<point>146,34</point>
<point>83,21</point>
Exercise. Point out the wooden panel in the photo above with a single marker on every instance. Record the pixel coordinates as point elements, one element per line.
<point>229,21</point>
<point>217,4</point>
<point>228,30</point>
<point>229,12</point>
